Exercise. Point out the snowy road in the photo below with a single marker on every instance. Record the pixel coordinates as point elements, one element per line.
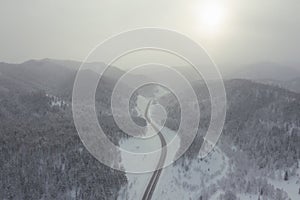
<point>156,174</point>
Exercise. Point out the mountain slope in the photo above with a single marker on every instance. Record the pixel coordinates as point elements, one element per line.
<point>262,120</point>
<point>35,75</point>
<point>265,71</point>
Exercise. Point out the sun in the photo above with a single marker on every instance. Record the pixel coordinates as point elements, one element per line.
<point>211,16</point>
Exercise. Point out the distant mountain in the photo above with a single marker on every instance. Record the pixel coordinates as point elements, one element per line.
<point>293,85</point>
<point>53,76</point>
<point>35,75</point>
<point>71,64</point>
<point>113,72</point>
<point>266,71</point>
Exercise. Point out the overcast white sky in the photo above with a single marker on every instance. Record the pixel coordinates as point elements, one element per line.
<point>251,31</point>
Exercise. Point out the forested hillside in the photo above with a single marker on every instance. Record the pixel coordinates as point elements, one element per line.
<point>261,120</point>
<point>264,121</point>
<point>43,157</point>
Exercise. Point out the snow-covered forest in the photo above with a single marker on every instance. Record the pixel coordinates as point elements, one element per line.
<point>42,157</point>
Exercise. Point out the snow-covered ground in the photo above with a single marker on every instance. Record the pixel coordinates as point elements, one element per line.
<point>137,182</point>
<point>187,181</point>
<point>291,187</point>
<point>182,181</point>
<point>216,195</point>
<point>247,196</point>
<point>56,101</point>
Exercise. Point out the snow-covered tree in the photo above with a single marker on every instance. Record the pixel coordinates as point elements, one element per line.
<point>286,176</point>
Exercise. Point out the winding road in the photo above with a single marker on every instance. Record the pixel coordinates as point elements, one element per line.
<point>156,174</point>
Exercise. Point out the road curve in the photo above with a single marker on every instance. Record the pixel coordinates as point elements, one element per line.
<point>156,174</point>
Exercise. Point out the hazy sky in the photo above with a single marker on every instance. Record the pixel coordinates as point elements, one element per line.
<point>247,31</point>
